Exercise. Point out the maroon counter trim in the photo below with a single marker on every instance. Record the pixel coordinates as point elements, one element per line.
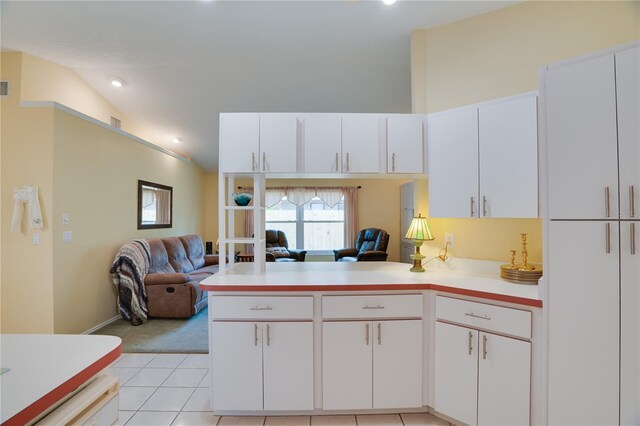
<point>34,410</point>
<point>374,287</point>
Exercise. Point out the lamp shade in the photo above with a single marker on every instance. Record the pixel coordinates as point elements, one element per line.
<point>419,230</point>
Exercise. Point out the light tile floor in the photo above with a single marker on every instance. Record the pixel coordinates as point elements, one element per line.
<point>173,389</point>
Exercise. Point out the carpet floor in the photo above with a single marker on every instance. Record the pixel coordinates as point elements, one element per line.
<point>160,335</point>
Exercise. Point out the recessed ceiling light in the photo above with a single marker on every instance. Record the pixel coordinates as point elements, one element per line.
<point>117,82</point>
<point>388,2</point>
<point>176,139</point>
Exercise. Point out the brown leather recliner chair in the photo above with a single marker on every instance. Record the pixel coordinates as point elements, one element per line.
<point>278,248</point>
<point>371,246</point>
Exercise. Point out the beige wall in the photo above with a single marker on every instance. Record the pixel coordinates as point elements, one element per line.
<point>26,281</point>
<point>499,54</point>
<point>90,173</point>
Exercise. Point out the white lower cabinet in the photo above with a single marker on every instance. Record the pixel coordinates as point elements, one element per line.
<point>262,366</point>
<point>371,364</point>
<point>481,378</point>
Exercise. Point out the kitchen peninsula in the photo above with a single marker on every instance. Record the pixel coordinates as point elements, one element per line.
<point>373,337</point>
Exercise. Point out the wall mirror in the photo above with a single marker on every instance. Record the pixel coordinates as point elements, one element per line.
<point>155,205</point>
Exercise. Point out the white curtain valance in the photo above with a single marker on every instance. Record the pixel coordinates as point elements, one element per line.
<point>302,195</point>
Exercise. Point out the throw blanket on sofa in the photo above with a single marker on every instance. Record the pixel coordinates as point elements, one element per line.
<point>128,271</point>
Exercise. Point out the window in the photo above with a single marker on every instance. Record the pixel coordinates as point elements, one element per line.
<point>314,226</point>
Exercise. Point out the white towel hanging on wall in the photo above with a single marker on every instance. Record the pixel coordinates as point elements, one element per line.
<point>26,194</point>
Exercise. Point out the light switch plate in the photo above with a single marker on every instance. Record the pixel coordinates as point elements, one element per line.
<point>65,218</point>
<point>67,237</point>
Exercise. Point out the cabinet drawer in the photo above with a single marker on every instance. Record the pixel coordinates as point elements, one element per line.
<point>250,307</point>
<point>393,306</point>
<point>514,322</point>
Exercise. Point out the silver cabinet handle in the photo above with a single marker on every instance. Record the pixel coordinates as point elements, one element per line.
<point>393,162</point>
<point>268,334</point>
<point>347,161</point>
<point>379,333</point>
<point>484,205</point>
<point>632,201</point>
<point>366,337</point>
<point>484,317</point>
<point>261,308</point>
<point>632,238</point>
<point>255,334</point>
<point>253,161</point>
<point>607,230</point>
<point>607,203</point>
<point>373,307</point>
<point>470,342</point>
<point>264,161</point>
<point>484,347</point>
<point>473,213</point>
<point>337,162</point>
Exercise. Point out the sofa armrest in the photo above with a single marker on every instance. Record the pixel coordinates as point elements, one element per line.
<point>347,252</point>
<point>269,257</point>
<point>211,259</point>
<point>299,255</point>
<point>153,279</point>
<point>373,256</point>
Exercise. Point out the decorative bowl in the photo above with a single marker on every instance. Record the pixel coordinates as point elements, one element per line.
<point>242,198</point>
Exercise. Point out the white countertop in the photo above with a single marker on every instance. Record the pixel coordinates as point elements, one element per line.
<point>44,368</point>
<point>346,276</point>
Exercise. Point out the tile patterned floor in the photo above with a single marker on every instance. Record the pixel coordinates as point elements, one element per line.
<point>173,389</point>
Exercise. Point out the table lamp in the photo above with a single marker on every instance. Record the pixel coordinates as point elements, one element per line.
<point>418,232</point>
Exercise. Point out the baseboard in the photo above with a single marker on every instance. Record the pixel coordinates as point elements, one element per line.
<point>102,324</point>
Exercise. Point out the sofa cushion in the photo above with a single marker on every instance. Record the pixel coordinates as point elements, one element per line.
<point>159,262</point>
<point>278,252</point>
<point>195,250</point>
<point>211,269</point>
<point>177,255</point>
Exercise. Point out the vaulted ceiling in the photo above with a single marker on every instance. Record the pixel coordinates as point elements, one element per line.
<point>186,61</point>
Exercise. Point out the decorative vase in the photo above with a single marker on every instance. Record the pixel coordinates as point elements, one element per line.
<point>242,198</point>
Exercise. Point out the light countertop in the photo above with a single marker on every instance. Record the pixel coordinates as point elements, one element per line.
<point>43,369</point>
<point>367,276</point>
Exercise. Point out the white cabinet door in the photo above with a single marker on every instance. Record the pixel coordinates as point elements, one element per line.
<point>453,163</point>
<point>584,323</point>
<point>397,364</point>
<point>508,140</point>
<point>630,323</point>
<point>504,376</point>
<point>239,142</point>
<point>360,143</point>
<point>456,372</point>
<point>628,97</point>
<point>405,144</point>
<point>288,365</point>
<point>582,140</point>
<point>278,143</point>
<point>237,365</point>
<point>346,365</point>
<point>322,144</point>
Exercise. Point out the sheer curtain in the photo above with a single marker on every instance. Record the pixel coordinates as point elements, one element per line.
<point>163,206</point>
<point>351,213</point>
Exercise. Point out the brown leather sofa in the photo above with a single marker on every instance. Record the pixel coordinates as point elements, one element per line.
<point>371,246</point>
<point>178,264</point>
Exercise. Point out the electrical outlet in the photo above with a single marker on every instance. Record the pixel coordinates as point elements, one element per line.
<point>449,239</point>
<point>67,237</point>
<point>35,238</point>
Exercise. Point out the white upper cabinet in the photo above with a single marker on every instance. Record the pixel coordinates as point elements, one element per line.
<point>582,140</point>
<point>278,143</point>
<point>361,143</point>
<point>483,160</point>
<point>322,143</point>
<point>628,88</point>
<point>453,163</point>
<point>239,142</point>
<point>509,158</point>
<point>405,144</point>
